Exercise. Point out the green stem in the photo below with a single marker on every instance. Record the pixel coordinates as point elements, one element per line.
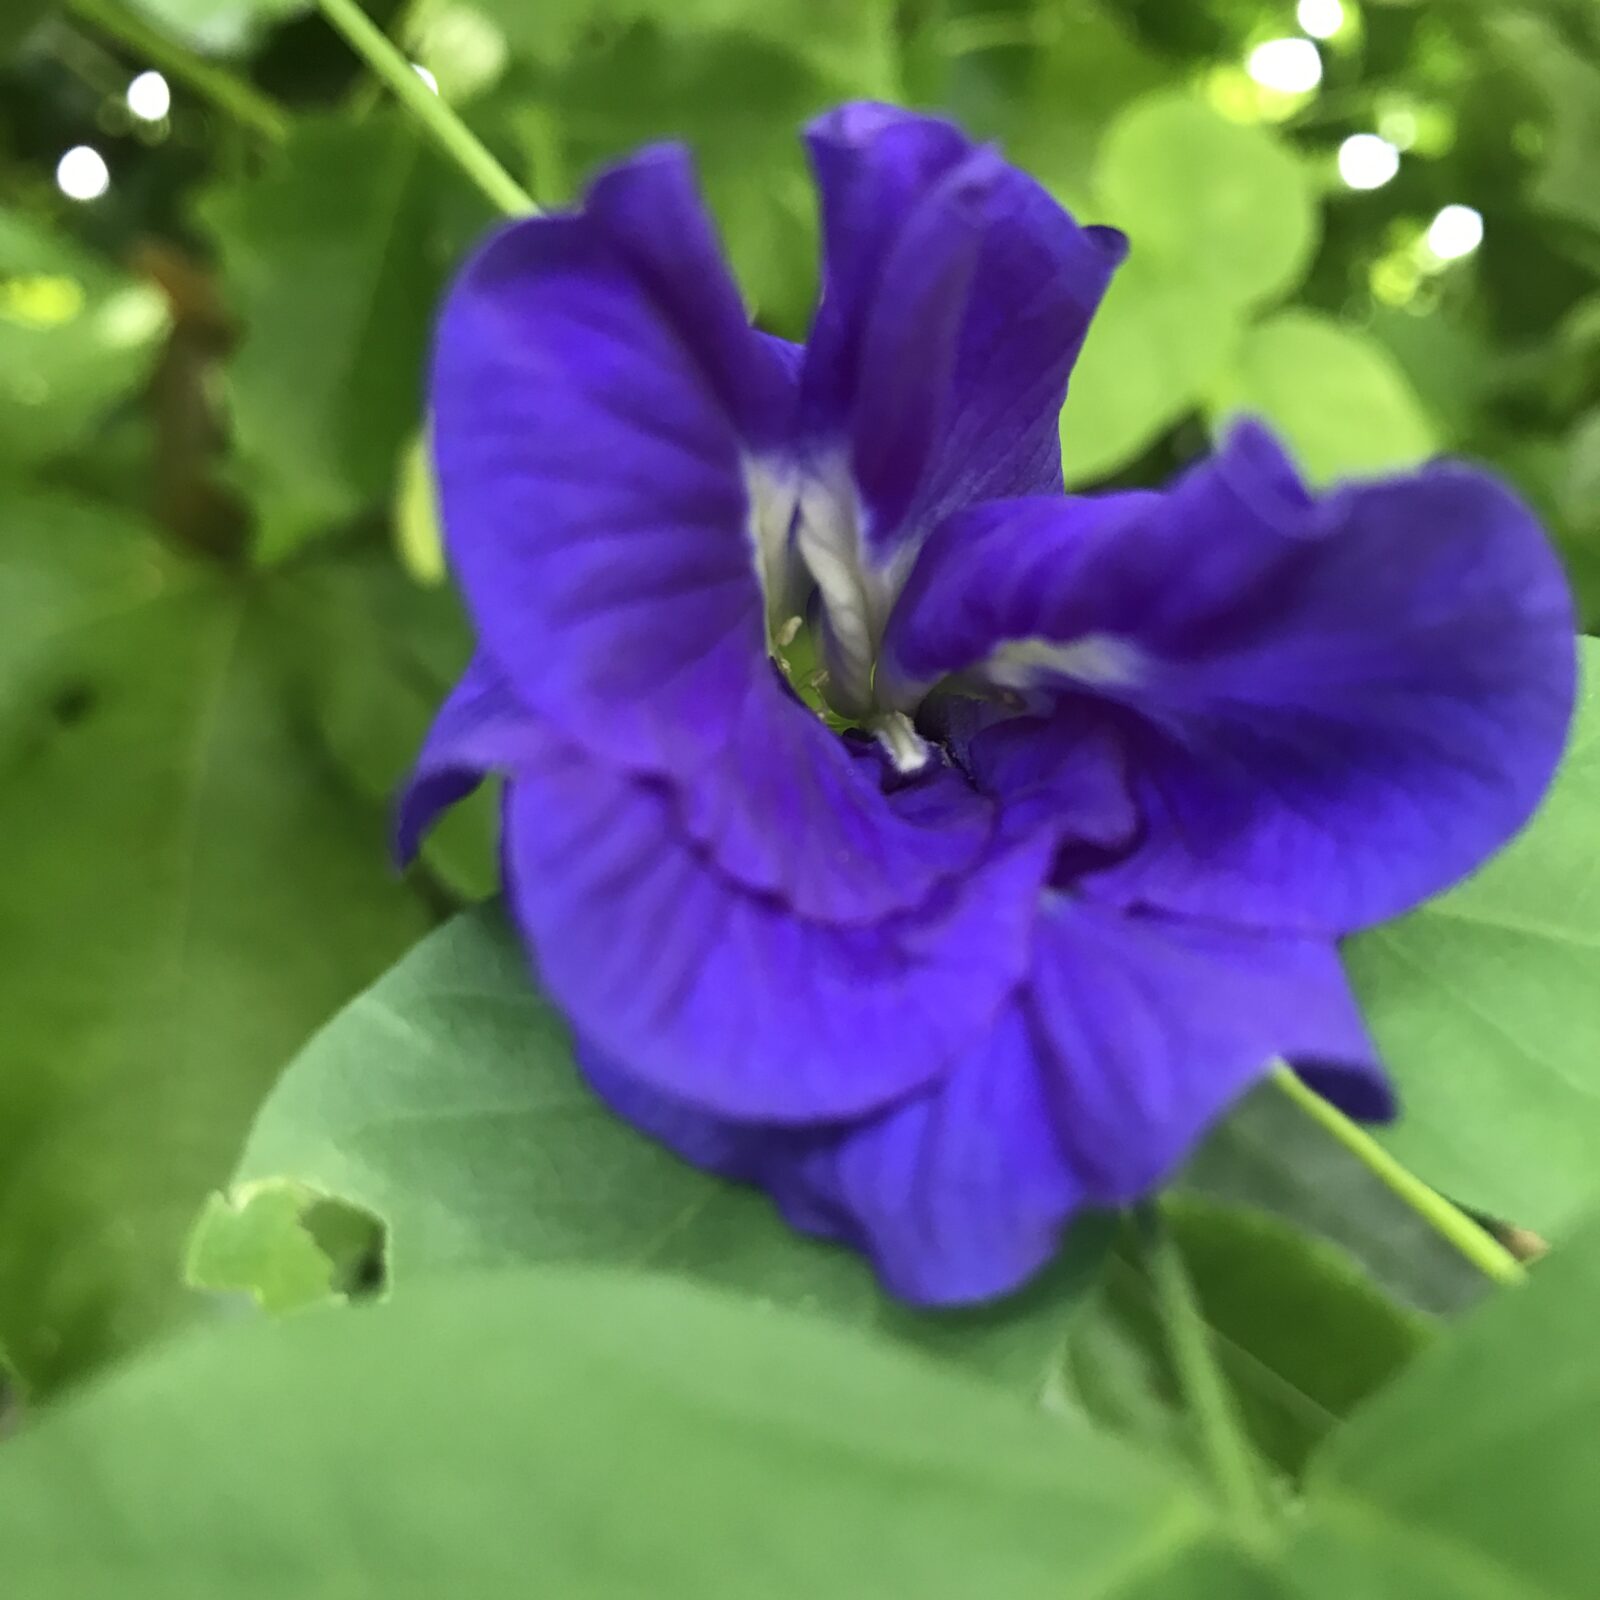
<point>225,90</point>
<point>403,30</point>
<point>1229,1456</point>
<point>448,131</point>
<point>1479,1247</point>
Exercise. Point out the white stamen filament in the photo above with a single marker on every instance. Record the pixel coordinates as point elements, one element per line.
<point>907,748</point>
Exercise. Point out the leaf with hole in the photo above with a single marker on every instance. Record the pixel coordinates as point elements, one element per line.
<point>445,1102</point>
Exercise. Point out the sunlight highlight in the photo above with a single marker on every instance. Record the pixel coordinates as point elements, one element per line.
<point>1292,66</point>
<point>1457,231</point>
<point>1367,162</point>
<point>149,97</point>
<point>82,173</point>
<point>1320,18</point>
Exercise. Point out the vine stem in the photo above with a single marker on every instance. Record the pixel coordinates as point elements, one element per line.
<point>225,90</point>
<point>1481,1248</point>
<point>446,129</point>
<point>1230,1458</point>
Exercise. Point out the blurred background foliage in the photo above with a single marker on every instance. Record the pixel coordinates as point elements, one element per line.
<point>223,613</point>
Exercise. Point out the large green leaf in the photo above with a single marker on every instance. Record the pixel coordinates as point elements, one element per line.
<point>580,1435</point>
<point>1334,395</point>
<point>1154,347</point>
<point>76,337</point>
<point>380,654</point>
<point>1486,1006</point>
<point>620,1436</point>
<point>1474,1474</point>
<point>445,1103</point>
<point>1222,205</point>
<point>333,262</point>
<point>1218,217</point>
<point>191,890</point>
<point>1301,1335</point>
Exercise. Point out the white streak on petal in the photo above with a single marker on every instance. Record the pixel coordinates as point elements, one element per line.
<point>830,544</point>
<point>771,492</point>
<point>1099,660</point>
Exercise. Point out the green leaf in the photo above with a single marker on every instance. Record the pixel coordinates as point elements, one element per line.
<point>1223,206</point>
<point>1474,1473</point>
<point>219,27</point>
<point>1335,395</point>
<point>1486,1008</point>
<point>1087,64</point>
<point>626,1435</point>
<point>1570,88</point>
<point>191,891</point>
<point>445,1102</point>
<point>851,41</point>
<point>76,337</point>
<point>379,654</point>
<point>1301,1335</point>
<point>1580,486</point>
<point>739,102</point>
<point>20,19</point>
<point>586,1434</point>
<point>1154,346</point>
<point>11,1398</point>
<point>332,262</point>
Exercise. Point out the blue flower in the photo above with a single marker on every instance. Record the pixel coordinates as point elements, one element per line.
<point>1119,770</point>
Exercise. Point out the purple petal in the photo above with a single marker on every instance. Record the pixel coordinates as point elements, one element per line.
<point>741,1151</point>
<point>1339,706</point>
<point>1068,772</point>
<point>957,1195</point>
<point>960,1194</point>
<point>727,999</point>
<point>1147,1030</point>
<point>992,341</point>
<point>597,402</point>
<point>789,809</point>
<point>874,165</point>
<point>1132,1038</point>
<point>479,729</point>
<point>649,207</point>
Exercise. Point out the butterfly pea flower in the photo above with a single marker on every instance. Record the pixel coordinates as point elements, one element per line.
<point>987,919</point>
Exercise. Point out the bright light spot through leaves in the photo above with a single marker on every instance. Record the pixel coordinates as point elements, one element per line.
<point>1456,231</point>
<point>426,76</point>
<point>1320,18</point>
<point>1291,66</point>
<point>82,174</point>
<point>1367,162</point>
<point>148,97</point>
<point>46,300</point>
